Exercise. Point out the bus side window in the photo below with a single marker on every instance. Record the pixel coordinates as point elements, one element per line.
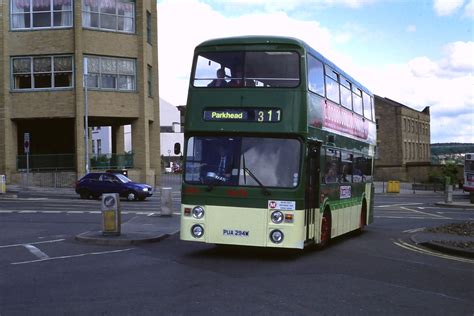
<point>345,174</point>
<point>368,169</point>
<point>357,173</point>
<point>332,166</point>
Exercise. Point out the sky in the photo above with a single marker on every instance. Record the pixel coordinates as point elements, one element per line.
<point>418,53</point>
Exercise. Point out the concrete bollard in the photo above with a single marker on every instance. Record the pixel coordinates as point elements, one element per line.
<point>166,202</point>
<point>3,184</point>
<point>111,214</point>
<point>449,193</point>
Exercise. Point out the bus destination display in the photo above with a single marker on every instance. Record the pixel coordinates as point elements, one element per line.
<point>243,115</point>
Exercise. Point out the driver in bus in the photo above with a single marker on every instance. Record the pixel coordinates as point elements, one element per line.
<point>224,167</point>
<point>219,82</point>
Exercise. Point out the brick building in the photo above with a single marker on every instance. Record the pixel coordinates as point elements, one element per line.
<point>403,141</point>
<point>44,48</point>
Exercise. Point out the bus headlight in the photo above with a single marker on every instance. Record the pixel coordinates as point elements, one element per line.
<point>198,212</point>
<point>276,236</point>
<point>197,231</point>
<point>277,217</point>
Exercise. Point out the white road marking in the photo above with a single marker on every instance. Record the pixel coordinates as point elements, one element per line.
<point>73,256</point>
<point>410,247</point>
<point>414,230</point>
<point>428,214</point>
<point>37,252</point>
<point>410,217</point>
<point>404,204</point>
<point>32,243</point>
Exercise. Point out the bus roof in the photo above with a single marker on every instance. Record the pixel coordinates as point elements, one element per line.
<point>263,40</point>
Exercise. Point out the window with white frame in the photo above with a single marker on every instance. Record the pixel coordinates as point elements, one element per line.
<point>108,73</point>
<point>109,15</point>
<point>40,14</point>
<point>42,72</point>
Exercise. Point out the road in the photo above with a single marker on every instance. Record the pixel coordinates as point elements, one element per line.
<point>377,272</point>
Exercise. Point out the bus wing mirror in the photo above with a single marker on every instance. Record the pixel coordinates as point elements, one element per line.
<point>177,148</point>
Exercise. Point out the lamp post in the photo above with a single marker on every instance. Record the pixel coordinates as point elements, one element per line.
<point>169,156</point>
<point>86,116</point>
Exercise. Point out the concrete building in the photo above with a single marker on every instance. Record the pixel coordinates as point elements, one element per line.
<point>403,141</point>
<point>48,49</point>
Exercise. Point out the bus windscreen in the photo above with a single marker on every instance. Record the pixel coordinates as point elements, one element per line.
<point>243,161</point>
<point>247,69</point>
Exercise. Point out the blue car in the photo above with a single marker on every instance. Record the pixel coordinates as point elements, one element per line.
<point>93,185</point>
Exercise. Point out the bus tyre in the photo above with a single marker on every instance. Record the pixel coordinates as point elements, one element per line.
<point>325,230</point>
<point>363,216</point>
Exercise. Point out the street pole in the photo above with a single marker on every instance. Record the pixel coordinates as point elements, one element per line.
<point>86,116</point>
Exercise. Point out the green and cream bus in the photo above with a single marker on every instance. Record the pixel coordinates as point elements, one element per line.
<point>279,146</point>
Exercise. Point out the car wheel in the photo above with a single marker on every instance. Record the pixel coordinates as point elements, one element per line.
<point>131,196</point>
<point>85,194</point>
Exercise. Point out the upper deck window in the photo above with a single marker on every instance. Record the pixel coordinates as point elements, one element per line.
<point>332,85</point>
<point>315,75</point>
<point>264,69</point>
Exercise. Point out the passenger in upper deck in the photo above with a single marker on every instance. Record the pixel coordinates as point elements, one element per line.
<point>219,82</point>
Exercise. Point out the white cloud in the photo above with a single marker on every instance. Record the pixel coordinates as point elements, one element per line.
<point>469,9</point>
<point>447,7</point>
<point>288,5</point>
<point>460,56</point>
<point>446,85</point>
<point>176,43</point>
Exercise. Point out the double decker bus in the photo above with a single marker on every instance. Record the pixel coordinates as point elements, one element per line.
<point>469,172</point>
<point>279,146</point>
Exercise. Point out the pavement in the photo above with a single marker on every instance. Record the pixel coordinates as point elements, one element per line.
<point>154,228</point>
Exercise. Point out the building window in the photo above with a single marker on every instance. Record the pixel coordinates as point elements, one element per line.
<point>40,14</point>
<point>148,27</point>
<point>109,15</point>
<point>42,72</point>
<point>150,81</point>
<point>108,73</point>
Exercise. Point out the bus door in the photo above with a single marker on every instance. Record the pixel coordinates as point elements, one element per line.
<point>312,189</point>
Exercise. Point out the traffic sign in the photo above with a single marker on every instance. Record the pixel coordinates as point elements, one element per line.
<point>26,142</point>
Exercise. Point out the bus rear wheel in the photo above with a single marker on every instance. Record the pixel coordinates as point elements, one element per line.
<point>363,216</point>
<point>325,230</point>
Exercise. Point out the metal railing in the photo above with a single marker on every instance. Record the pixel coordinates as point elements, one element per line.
<point>51,162</point>
<point>47,162</point>
<point>112,161</point>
